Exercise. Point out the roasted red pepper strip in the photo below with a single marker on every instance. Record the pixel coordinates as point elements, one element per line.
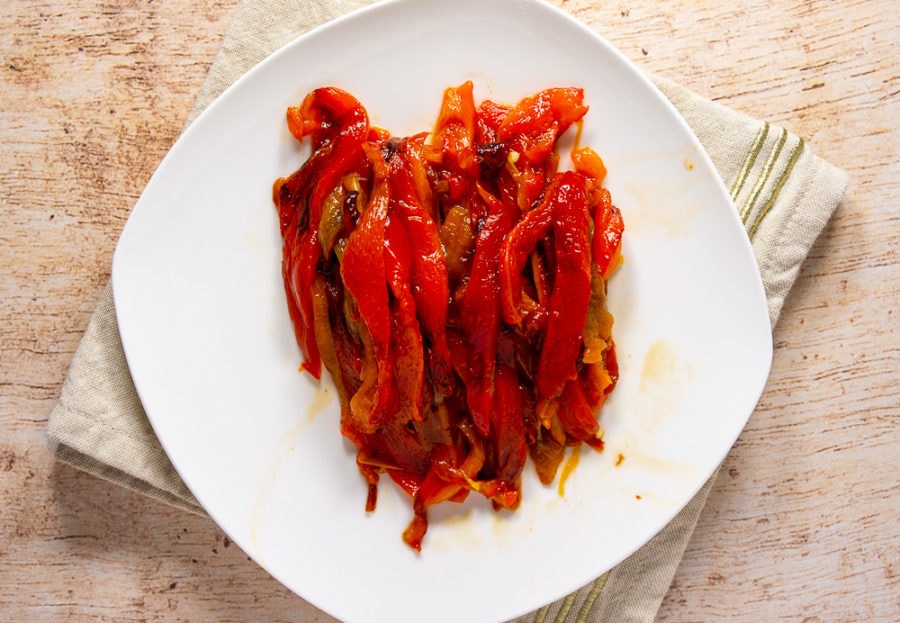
<point>479,309</point>
<point>577,416</point>
<point>533,125</point>
<point>291,194</point>
<point>448,478</point>
<point>508,438</point>
<point>365,278</point>
<point>569,299</point>
<point>325,338</point>
<point>429,279</point>
<point>339,125</point>
<point>488,118</point>
<point>408,361</point>
<point>454,133</point>
<point>518,306</point>
<point>548,449</point>
<point>608,228</point>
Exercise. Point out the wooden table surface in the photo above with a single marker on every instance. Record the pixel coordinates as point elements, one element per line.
<point>802,524</point>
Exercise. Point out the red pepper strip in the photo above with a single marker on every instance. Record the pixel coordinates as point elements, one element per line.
<point>442,481</point>
<point>408,481</point>
<point>394,450</point>
<point>401,448</point>
<point>608,230</point>
<point>293,292</point>
<point>587,162</point>
<point>600,378</point>
<point>570,297</point>
<point>365,279</point>
<point>321,114</point>
<point>577,417</point>
<point>479,309</point>
<point>567,104</point>
<point>598,324</point>
<point>290,195</point>
<point>338,124</point>
<point>531,185</point>
<point>458,242</point>
<point>416,530</point>
<point>539,146</point>
<point>348,350</point>
<point>540,276</point>
<point>454,134</point>
<point>509,425</point>
<point>459,351</point>
<point>517,306</point>
<point>433,490</point>
<point>598,381</point>
<point>612,367</point>
<point>491,153</point>
<point>488,118</point>
<point>508,437</point>
<point>430,280</point>
<point>531,115</point>
<point>346,155</point>
<point>447,479</point>
<point>420,171</point>
<point>409,365</point>
<point>325,338</point>
<point>476,457</point>
<point>446,468</point>
<point>548,450</point>
<point>533,125</point>
<point>436,429</point>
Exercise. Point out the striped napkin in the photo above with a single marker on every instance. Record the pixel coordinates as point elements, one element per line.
<point>784,195</point>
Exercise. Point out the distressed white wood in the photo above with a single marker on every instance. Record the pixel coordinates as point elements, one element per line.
<point>802,524</point>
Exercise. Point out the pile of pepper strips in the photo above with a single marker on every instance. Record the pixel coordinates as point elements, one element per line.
<point>454,286</point>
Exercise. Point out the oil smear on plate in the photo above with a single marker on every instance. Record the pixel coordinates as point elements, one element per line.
<point>675,193</point>
<point>664,381</point>
<point>647,471</point>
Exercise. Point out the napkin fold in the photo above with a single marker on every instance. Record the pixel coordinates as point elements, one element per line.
<point>784,195</point>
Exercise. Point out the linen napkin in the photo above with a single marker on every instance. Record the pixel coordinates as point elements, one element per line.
<point>784,195</point>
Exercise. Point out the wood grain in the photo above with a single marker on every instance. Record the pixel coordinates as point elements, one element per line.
<point>802,524</point>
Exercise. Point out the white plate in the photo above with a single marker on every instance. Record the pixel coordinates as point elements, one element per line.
<point>201,310</point>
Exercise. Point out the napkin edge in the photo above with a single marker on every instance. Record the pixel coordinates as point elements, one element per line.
<point>116,477</point>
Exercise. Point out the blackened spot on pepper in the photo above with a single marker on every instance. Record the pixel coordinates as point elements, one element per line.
<point>284,193</point>
<point>389,148</point>
<point>491,157</point>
